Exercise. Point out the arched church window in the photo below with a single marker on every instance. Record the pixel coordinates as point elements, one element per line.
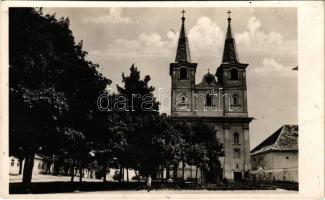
<point>209,99</point>
<point>183,99</point>
<point>233,74</point>
<point>236,138</point>
<point>183,74</point>
<point>235,99</point>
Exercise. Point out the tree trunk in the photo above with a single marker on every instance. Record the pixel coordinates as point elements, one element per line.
<point>167,172</point>
<point>196,174</point>
<point>72,172</point>
<point>137,175</point>
<point>120,175</point>
<point>20,165</point>
<point>175,170</point>
<point>48,169</point>
<point>201,176</point>
<point>162,173</point>
<point>28,171</point>
<point>183,171</point>
<point>127,174</point>
<point>80,173</point>
<point>104,171</point>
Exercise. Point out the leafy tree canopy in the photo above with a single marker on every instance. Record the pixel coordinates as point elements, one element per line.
<point>52,85</point>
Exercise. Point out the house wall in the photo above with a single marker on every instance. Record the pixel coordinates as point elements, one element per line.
<point>279,165</point>
<point>264,160</point>
<point>285,160</point>
<point>14,165</point>
<point>40,166</point>
<point>275,160</point>
<point>290,174</point>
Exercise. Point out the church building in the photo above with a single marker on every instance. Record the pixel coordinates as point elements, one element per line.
<point>219,100</point>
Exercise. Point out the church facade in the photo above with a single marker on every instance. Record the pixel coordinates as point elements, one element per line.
<point>219,100</point>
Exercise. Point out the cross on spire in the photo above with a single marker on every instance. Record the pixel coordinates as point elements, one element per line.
<point>183,12</point>
<point>229,19</point>
<point>229,12</point>
<point>229,52</point>
<point>183,50</point>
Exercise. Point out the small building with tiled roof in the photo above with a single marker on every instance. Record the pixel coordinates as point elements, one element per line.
<point>277,155</point>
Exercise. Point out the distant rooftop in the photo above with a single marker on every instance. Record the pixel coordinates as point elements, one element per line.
<point>284,139</point>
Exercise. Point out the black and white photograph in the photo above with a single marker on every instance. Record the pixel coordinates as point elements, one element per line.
<point>158,100</point>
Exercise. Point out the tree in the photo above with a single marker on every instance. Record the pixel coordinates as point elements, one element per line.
<point>34,115</point>
<point>169,144</point>
<point>139,96</point>
<point>185,131</point>
<point>100,139</point>
<point>73,145</point>
<point>51,84</point>
<point>140,107</point>
<point>197,155</point>
<point>205,149</point>
<point>152,141</point>
<point>159,144</point>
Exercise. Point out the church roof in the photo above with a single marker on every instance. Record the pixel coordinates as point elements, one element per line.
<point>230,52</point>
<point>183,49</point>
<point>284,139</point>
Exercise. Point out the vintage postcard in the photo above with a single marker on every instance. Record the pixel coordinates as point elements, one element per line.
<point>162,100</point>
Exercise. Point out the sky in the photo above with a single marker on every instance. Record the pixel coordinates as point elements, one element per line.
<point>266,39</point>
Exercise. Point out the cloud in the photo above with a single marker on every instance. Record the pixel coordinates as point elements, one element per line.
<point>272,66</point>
<point>268,52</point>
<point>113,17</point>
<point>205,37</point>
<point>144,45</point>
<point>255,41</point>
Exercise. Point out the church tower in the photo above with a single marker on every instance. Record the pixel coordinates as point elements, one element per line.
<point>219,100</point>
<point>182,73</point>
<point>232,76</point>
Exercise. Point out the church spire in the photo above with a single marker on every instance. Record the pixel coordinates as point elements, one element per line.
<point>183,50</point>
<point>229,52</point>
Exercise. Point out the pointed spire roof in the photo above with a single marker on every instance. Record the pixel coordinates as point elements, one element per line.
<point>229,52</point>
<point>183,49</point>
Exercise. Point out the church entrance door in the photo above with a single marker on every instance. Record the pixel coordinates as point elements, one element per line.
<point>238,176</point>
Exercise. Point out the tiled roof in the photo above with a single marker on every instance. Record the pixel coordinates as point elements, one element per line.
<point>284,139</point>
